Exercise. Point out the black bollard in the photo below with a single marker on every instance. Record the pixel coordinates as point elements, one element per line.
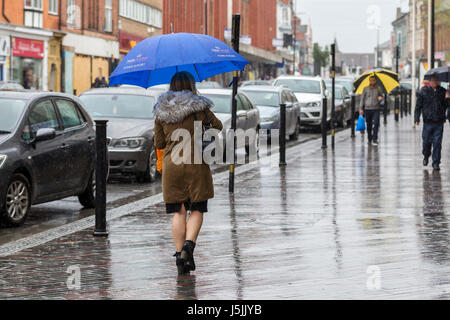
<point>353,111</point>
<point>402,97</point>
<point>324,123</point>
<point>385,107</point>
<point>282,136</point>
<point>101,172</point>
<point>397,111</point>
<point>409,101</point>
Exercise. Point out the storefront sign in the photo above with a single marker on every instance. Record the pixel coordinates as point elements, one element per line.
<point>227,34</point>
<point>27,48</point>
<point>128,41</point>
<point>277,43</point>
<point>246,40</point>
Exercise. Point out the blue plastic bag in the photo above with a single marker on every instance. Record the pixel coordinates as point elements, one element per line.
<point>361,124</point>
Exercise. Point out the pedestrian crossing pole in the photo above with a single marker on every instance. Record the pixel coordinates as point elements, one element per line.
<point>333,94</point>
<point>235,31</point>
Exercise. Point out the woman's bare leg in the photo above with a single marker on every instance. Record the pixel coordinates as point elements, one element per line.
<point>179,228</point>
<point>193,226</point>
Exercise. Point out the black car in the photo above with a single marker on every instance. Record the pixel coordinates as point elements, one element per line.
<point>47,152</point>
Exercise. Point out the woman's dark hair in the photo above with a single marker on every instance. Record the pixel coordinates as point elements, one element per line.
<point>183,81</point>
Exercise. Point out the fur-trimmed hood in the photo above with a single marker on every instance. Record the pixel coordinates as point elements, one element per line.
<point>175,106</point>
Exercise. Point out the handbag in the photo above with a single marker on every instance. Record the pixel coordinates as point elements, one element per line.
<point>205,127</point>
<point>361,124</point>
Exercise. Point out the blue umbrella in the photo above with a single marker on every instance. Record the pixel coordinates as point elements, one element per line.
<point>155,60</point>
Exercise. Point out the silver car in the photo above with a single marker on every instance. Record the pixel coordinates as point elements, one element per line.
<point>247,114</point>
<point>268,99</point>
<point>129,112</point>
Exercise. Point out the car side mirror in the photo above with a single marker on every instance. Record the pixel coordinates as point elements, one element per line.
<point>45,134</point>
<point>241,114</point>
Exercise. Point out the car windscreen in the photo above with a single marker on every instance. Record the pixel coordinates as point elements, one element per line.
<point>300,85</point>
<point>347,84</point>
<point>262,98</point>
<point>119,105</point>
<point>10,112</point>
<point>338,93</point>
<point>222,102</point>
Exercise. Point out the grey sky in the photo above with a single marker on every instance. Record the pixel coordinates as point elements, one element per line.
<point>347,20</point>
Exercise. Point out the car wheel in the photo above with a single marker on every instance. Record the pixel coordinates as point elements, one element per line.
<point>17,202</point>
<point>151,172</point>
<point>296,133</point>
<point>87,198</point>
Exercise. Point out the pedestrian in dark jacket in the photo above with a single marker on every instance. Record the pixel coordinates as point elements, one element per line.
<point>370,105</point>
<point>433,105</point>
<point>186,186</point>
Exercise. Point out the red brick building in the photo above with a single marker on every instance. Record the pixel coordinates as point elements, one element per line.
<point>258,26</point>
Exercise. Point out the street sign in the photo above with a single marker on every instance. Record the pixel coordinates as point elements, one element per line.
<point>277,43</point>
<point>227,34</point>
<point>246,40</point>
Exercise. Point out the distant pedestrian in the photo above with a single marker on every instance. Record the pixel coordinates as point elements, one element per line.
<point>371,99</point>
<point>432,104</point>
<point>186,187</point>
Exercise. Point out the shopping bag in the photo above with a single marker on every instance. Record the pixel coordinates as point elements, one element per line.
<point>361,124</point>
<point>159,155</point>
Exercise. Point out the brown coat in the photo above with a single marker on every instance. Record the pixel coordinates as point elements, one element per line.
<point>183,182</point>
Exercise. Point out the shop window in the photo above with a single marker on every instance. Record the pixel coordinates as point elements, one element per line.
<point>28,72</point>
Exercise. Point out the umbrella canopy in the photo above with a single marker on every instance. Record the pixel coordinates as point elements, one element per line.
<point>442,73</point>
<point>155,60</point>
<point>386,79</point>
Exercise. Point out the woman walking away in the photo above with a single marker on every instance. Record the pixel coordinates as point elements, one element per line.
<point>186,186</point>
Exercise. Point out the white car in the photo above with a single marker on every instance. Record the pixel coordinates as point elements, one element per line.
<point>247,114</point>
<point>310,92</point>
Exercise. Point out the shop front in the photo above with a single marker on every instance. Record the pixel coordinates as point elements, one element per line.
<point>28,63</point>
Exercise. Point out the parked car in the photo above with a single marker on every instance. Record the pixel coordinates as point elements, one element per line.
<point>310,92</point>
<point>255,83</point>
<point>47,152</point>
<point>247,114</point>
<point>11,86</point>
<point>129,112</point>
<point>342,103</point>
<point>268,99</point>
<point>208,85</point>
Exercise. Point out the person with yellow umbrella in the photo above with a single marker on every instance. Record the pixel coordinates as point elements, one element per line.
<point>373,85</point>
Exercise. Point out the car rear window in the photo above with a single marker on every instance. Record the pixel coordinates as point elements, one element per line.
<point>119,105</point>
<point>10,112</point>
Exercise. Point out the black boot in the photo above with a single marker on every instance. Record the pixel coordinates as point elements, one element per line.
<point>181,264</point>
<point>187,253</point>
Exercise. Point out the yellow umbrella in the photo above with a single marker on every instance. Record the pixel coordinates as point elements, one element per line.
<point>386,79</point>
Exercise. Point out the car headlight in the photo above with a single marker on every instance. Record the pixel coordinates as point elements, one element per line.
<point>312,105</point>
<point>270,119</point>
<point>131,143</point>
<point>3,158</point>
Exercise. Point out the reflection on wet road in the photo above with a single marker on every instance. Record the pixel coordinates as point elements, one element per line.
<point>315,229</point>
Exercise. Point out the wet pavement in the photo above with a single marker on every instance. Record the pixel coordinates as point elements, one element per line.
<point>361,222</point>
<point>121,190</point>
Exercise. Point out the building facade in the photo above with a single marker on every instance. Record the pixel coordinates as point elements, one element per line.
<point>138,20</point>
<point>400,38</point>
